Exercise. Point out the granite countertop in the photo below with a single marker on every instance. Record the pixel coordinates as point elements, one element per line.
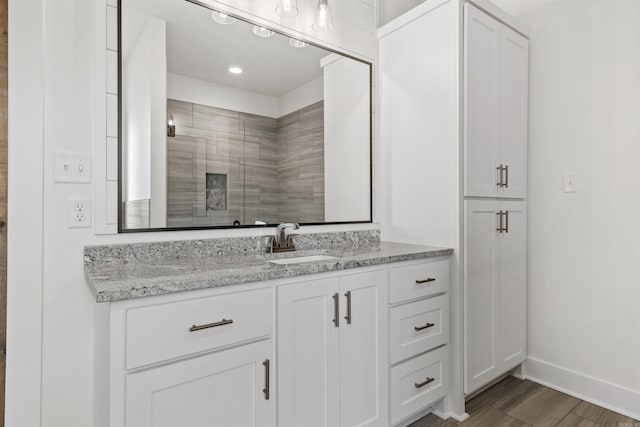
<point>120,272</point>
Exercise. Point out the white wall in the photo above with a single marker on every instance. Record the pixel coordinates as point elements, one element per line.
<point>584,248</point>
<point>347,129</point>
<point>300,97</point>
<point>144,119</point>
<point>188,89</point>
<point>391,9</point>
<point>50,308</point>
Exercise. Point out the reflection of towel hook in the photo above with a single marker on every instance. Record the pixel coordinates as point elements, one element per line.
<point>236,223</point>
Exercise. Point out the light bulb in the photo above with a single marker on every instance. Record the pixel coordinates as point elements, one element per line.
<point>222,18</point>
<point>323,21</point>
<point>262,32</point>
<point>287,8</point>
<point>170,120</point>
<point>297,43</point>
<point>235,70</point>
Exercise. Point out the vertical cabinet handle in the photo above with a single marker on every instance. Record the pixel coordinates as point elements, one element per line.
<point>507,221</point>
<point>336,310</point>
<point>266,388</point>
<point>499,229</point>
<point>506,181</point>
<point>348,316</point>
<point>500,176</point>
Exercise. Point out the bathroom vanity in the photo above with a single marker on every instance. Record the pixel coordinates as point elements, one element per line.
<point>216,333</point>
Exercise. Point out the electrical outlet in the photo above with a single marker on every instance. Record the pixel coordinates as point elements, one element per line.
<point>79,213</point>
<point>72,167</point>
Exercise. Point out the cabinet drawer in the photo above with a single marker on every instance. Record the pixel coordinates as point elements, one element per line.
<point>409,393</point>
<point>417,281</point>
<point>418,327</point>
<point>166,331</point>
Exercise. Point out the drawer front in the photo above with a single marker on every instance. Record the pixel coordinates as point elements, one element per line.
<point>167,331</point>
<point>418,280</point>
<point>418,327</point>
<point>418,383</point>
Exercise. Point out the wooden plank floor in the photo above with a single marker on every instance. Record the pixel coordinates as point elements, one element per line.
<point>516,403</point>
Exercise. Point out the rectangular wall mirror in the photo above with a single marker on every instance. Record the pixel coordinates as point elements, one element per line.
<point>228,124</point>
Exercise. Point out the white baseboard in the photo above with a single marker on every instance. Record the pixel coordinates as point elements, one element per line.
<point>446,415</point>
<point>611,396</point>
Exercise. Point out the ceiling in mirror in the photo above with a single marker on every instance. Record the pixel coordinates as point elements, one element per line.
<point>225,123</point>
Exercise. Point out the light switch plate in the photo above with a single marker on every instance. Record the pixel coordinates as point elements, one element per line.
<point>569,183</point>
<point>79,213</point>
<point>70,167</point>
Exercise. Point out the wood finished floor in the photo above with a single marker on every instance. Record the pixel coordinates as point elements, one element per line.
<point>516,403</point>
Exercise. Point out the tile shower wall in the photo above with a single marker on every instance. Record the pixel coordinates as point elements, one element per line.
<point>301,165</point>
<point>274,168</point>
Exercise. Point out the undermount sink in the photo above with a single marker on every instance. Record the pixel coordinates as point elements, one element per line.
<point>303,259</point>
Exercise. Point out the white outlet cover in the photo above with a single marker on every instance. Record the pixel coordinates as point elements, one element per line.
<point>79,212</point>
<point>71,167</point>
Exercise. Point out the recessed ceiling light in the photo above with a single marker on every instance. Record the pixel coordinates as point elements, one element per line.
<point>262,32</point>
<point>222,18</point>
<point>235,70</point>
<point>297,43</point>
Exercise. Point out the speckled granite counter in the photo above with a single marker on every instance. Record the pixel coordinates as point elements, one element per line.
<point>119,272</point>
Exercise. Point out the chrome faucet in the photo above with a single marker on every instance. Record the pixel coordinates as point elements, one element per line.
<point>282,242</point>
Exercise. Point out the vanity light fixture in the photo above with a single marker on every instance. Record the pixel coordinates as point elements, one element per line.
<point>297,43</point>
<point>262,32</point>
<point>287,8</point>
<point>323,21</point>
<point>171,128</point>
<point>235,70</point>
<point>222,18</point>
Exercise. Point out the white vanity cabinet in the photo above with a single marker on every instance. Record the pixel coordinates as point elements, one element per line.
<point>496,61</point>
<point>190,359</point>
<point>228,388</point>
<point>495,268</point>
<point>418,337</point>
<point>332,351</point>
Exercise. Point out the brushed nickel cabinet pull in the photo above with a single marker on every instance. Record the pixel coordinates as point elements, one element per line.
<point>500,182</point>
<point>429,380</point>
<point>348,316</point>
<point>500,229</point>
<point>210,325</point>
<point>506,181</point>
<point>427,280</point>
<point>265,390</point>
<point>336,310</point>
<point>507,221</point>
<point>427,326</point>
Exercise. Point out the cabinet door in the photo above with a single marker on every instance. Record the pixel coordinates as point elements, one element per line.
<point>513,286</point>
<point>223,389</point>
<point>481,86</point>
<point>308,354</point>
<point>480,289</point>
<point>514,89</point>
<point>363,345</point>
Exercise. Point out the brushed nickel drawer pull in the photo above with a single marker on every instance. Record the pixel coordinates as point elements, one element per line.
<point>266,388</point>
<point>500,183</point>
<point>429,380</point>
<point>348,316</point>
<point>500,228</point>
<point>427,326</point>
<point>427,280</point>
<point>336,310</point>
<point>210,325</point>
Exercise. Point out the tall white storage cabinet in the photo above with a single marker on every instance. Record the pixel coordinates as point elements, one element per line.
<point>453,89</point>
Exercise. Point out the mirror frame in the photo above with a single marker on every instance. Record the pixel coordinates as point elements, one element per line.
<point>246,226</point>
